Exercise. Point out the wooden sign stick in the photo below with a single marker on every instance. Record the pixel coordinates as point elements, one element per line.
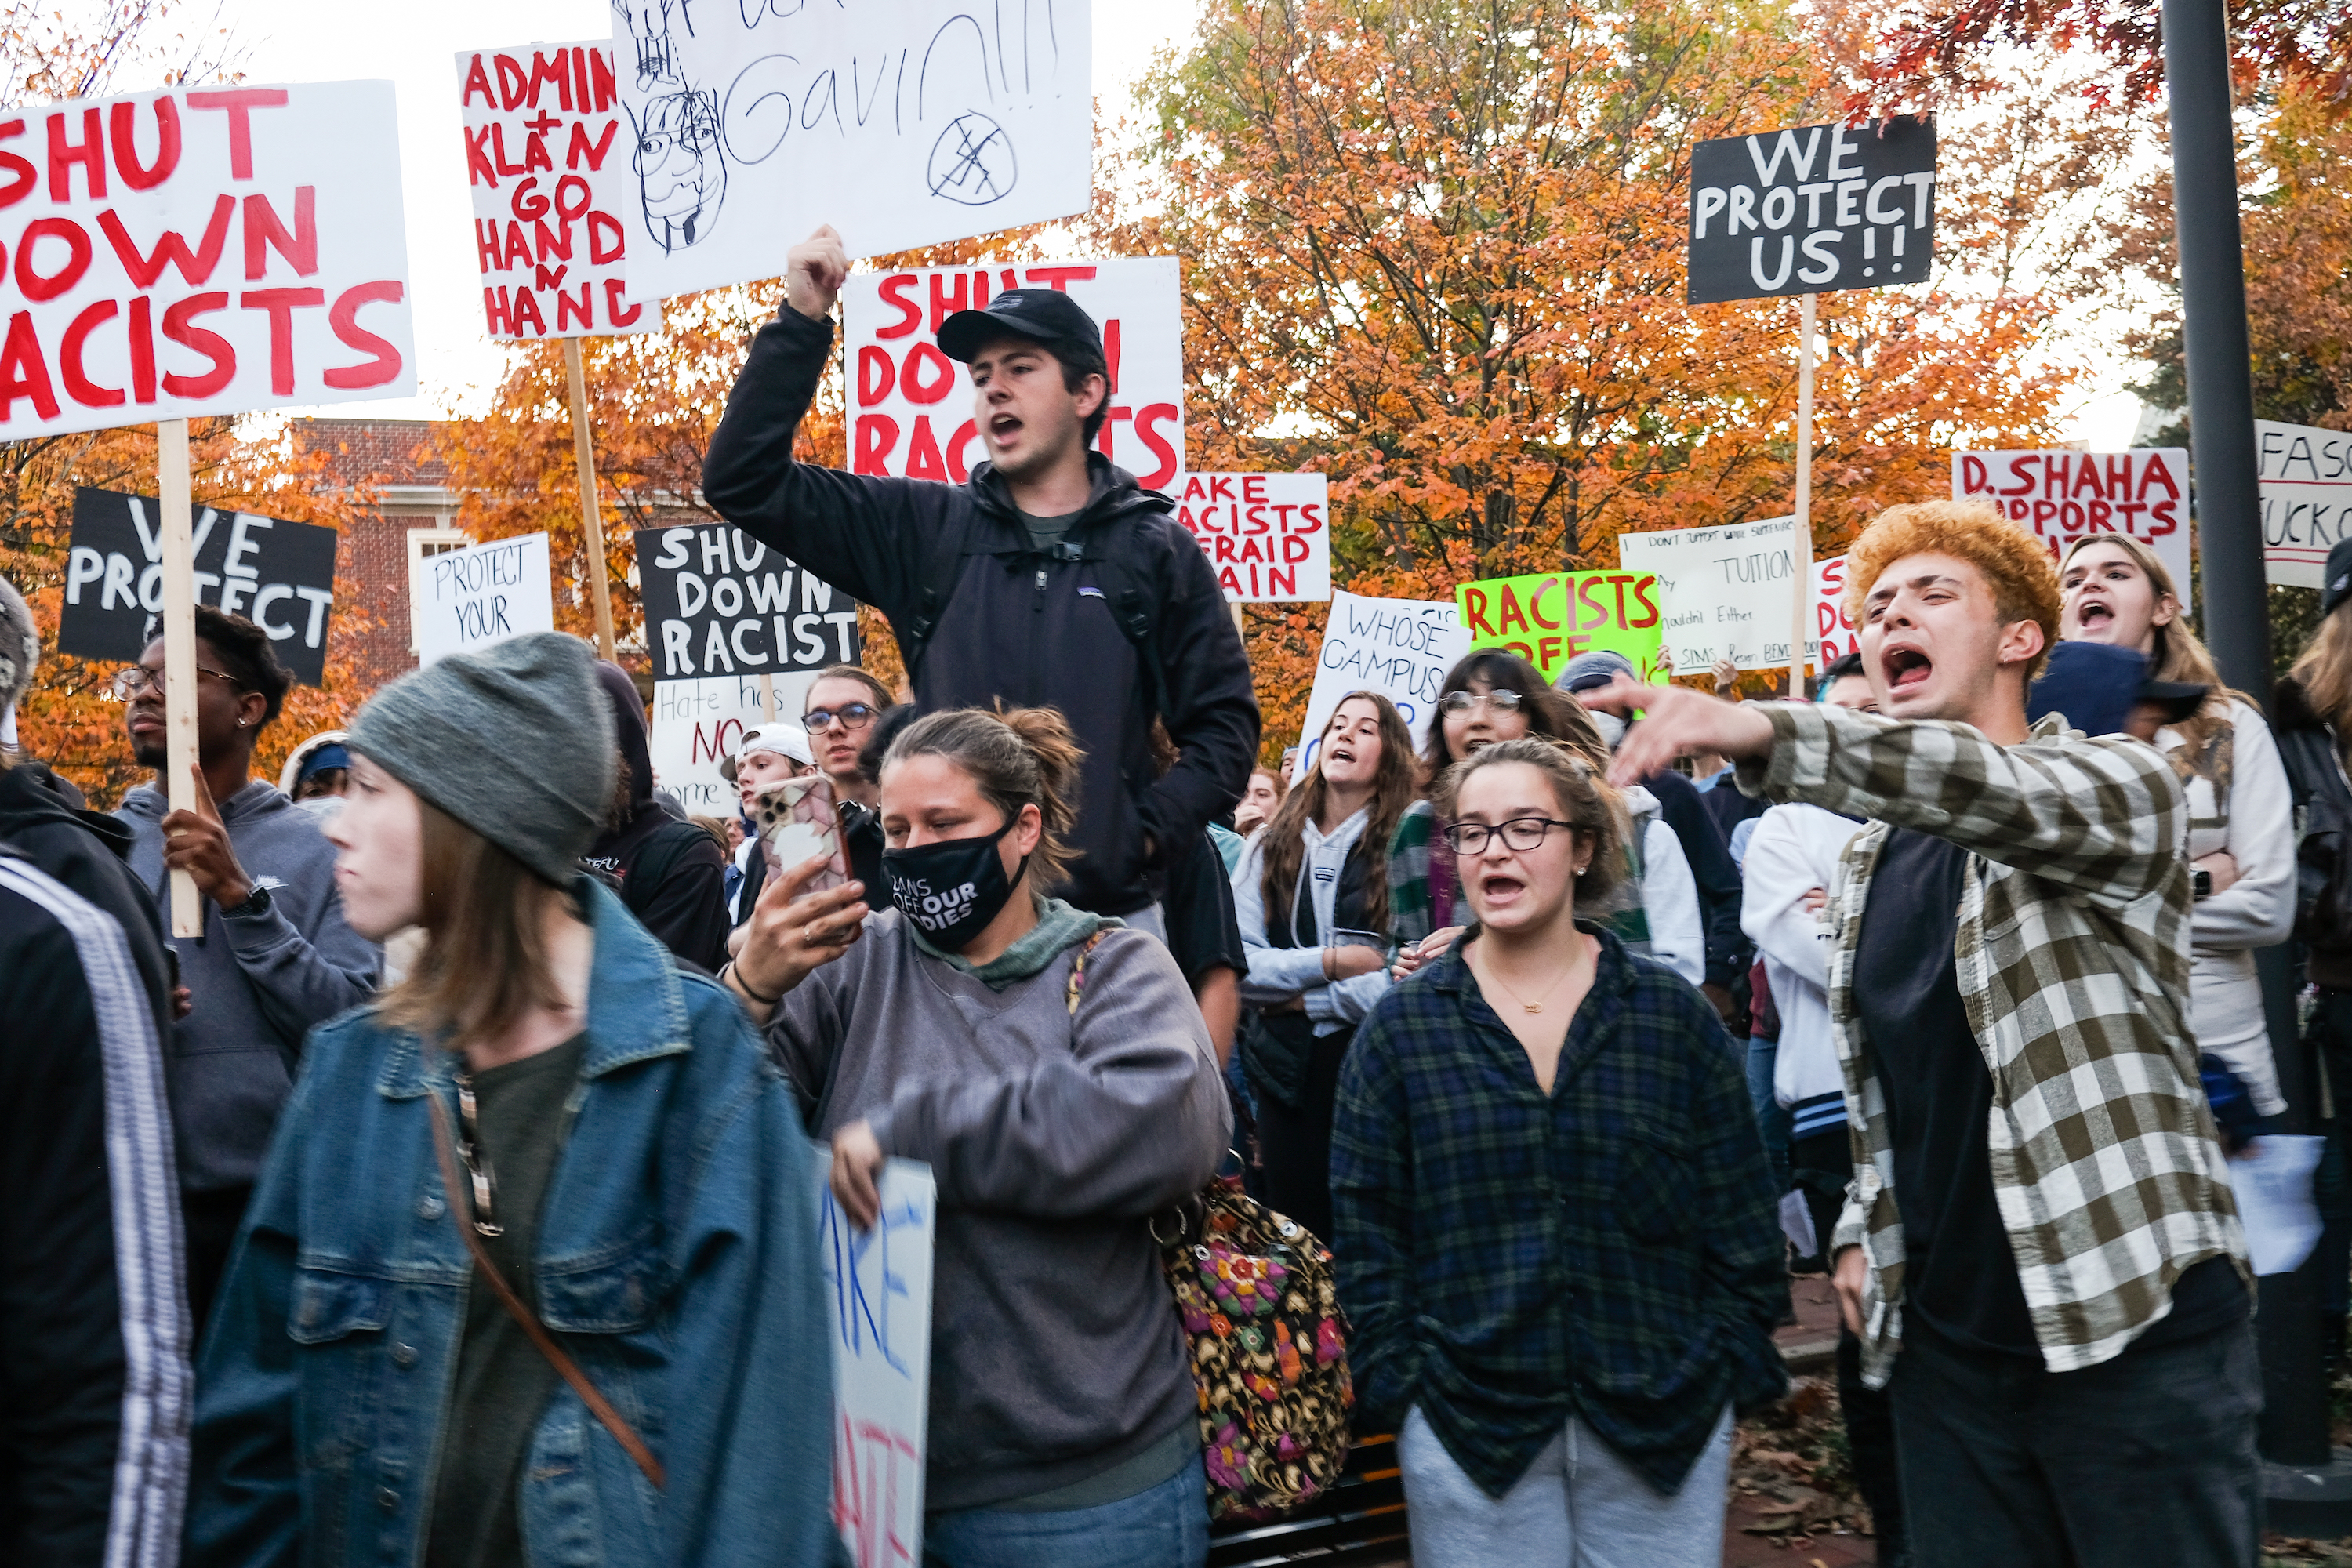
<point>584,448</point>
<point>179,653</point>
<point>1800,541</point>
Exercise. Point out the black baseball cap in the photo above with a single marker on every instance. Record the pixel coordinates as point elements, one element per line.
<point>1046,316</point>
<point>2336,583</point>
<point>2178,700</point>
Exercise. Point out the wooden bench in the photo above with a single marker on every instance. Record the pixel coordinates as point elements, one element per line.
<point>1359,1523</point>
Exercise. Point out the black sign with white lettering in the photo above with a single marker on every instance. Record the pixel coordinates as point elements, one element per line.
<point>1811,209</point>
<point>279,576</point>
<point>719,602</point>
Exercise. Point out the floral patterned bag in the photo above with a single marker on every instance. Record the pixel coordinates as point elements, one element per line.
<point>1260,1307</point>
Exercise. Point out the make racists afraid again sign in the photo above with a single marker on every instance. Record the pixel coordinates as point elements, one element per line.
<point>719,602</point>
<point>1813,208</point>
<point>192,252</point>
<point>279,576</point>
<point>911,413</point>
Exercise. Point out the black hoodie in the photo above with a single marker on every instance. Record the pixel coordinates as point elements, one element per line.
<point>671,874</point>
<point>1031,629</point>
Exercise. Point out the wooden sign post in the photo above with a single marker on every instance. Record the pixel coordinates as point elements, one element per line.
<point>592,517</point>
<point>180,676</point>
<point>1803,211</point>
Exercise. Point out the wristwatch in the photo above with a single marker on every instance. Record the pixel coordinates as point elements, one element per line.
<point>256,902</point>
<point>2201,881</point>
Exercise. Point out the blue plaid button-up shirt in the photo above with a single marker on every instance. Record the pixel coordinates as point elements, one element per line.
<point>1508,1260</point>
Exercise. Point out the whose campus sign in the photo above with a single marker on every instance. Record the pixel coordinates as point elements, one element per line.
<point>1813,208</point>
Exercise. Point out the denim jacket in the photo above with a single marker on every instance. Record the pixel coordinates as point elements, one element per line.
<point>677,1262</point>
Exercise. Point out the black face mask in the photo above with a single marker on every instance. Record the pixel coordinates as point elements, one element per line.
<point>951,890</point>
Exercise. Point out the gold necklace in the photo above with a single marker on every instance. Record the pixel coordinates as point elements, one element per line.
<point>1536,1005</point>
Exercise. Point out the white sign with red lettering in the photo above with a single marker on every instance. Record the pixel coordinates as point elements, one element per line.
<point>1267,536</point>
<point>910,407</point>
<point>208,251</point>
<point>549,160</point>
<point>2305,479</point>
<point>1836,630</point>
<point>2062,496</point>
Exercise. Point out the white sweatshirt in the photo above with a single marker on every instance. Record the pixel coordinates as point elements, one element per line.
<point>1793,850</point>
<point>2255,822</point>
<point>1669,891</point>
<point>1277,974</point>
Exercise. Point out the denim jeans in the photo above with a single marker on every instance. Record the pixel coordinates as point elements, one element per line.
<point>1772,1120</point>
<point>1164,1527</point>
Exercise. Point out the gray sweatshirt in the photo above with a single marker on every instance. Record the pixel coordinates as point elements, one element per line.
<point>255,985</point>
<point>1055,1350</point>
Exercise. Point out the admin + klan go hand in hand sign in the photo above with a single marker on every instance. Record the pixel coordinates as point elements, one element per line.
<point>186,253</point>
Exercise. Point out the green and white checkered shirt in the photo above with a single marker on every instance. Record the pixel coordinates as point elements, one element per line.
<point>2073,959</point>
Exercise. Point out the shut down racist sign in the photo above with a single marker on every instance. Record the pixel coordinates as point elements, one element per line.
<point>719,602</point>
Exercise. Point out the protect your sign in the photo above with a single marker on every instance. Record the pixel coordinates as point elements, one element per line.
<point>470,599</point>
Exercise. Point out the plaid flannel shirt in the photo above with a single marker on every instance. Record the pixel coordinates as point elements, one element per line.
<point>1509,1258</point>
<point>2073,959</point>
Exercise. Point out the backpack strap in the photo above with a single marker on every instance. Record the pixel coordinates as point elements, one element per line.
<point>942,566</point>
<point>1078,966</point>
<point>1122,574</point>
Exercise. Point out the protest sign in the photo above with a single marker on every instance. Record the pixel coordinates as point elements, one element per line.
<point>280,575</point>
<point>464,600</point>
<point>1550,617</point>
<point>1267,536</point>
<point>697,723</point>
<point>550,166</point>
<point>1835,628</point>
<point>1401,649</point>
<point>2305,478</point>
<point>2062,496</point>
<point>911,406</point>
<point>194,252</point>
<point>879,1290</point>
<point>1725,592</point>
<point>719,602</point>
<point>1813,208</point>
<point>903,124</point>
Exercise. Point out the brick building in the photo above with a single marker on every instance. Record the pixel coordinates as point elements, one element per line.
<point>415,515</point>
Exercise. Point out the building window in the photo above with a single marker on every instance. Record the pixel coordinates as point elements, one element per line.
<point>423,544</point>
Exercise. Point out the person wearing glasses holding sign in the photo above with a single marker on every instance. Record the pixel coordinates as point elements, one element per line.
<point>1555,1235</point>
<point>277,955</point>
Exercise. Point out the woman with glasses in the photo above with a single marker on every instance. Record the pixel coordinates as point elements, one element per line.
<point>1310,895</point>
<point>1492,696</point>
<point>1555,1243</point>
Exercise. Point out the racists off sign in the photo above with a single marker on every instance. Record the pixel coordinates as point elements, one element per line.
<point>718,602</point>
<point>192,252</point>
<point>279,576</point>
<point>1550,617</point>
<point>464,600</point>
<point>1267,536</point>
<point>1401,649</point>
<point>911,409</point>
<point>1725,592</point>
<point>2305,478</point>
<point>551,166</point>
<point>2063,496</point>
<point>1813,208</point>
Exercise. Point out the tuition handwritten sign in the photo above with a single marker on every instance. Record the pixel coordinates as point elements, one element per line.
<point>1267,536</point>
<point>1724,591</point>
<point>201,251</point>
<point>912,411</point>
<point>2063,496</point>
<point>1550,617</point>
<point>484,593</point>
<point>879,1290</point>
<point>548,159</point>
<point>901,125</point>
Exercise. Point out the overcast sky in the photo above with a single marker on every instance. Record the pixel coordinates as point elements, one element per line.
<point>415,44</point>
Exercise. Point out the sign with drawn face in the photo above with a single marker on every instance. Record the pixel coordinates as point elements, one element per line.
<point>280,575</point>
<point>1813,208</point>
<point>912,414</point>
<point>547,161</point>
<point>201,251</point>
<point>904,124</point>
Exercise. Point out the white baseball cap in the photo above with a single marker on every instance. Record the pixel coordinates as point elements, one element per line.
<point>784,737</point>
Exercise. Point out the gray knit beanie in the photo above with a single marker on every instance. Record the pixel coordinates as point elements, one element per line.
<point>513,742</point>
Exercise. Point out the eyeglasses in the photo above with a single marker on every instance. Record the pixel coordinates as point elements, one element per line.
<point>476,1163</point>
<point>853,716</point>
<point>1463,701</point>
<point>132,682</point>
<point>1520,833</point>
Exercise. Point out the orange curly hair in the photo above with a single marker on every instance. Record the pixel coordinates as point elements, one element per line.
<point>2016,564</point>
